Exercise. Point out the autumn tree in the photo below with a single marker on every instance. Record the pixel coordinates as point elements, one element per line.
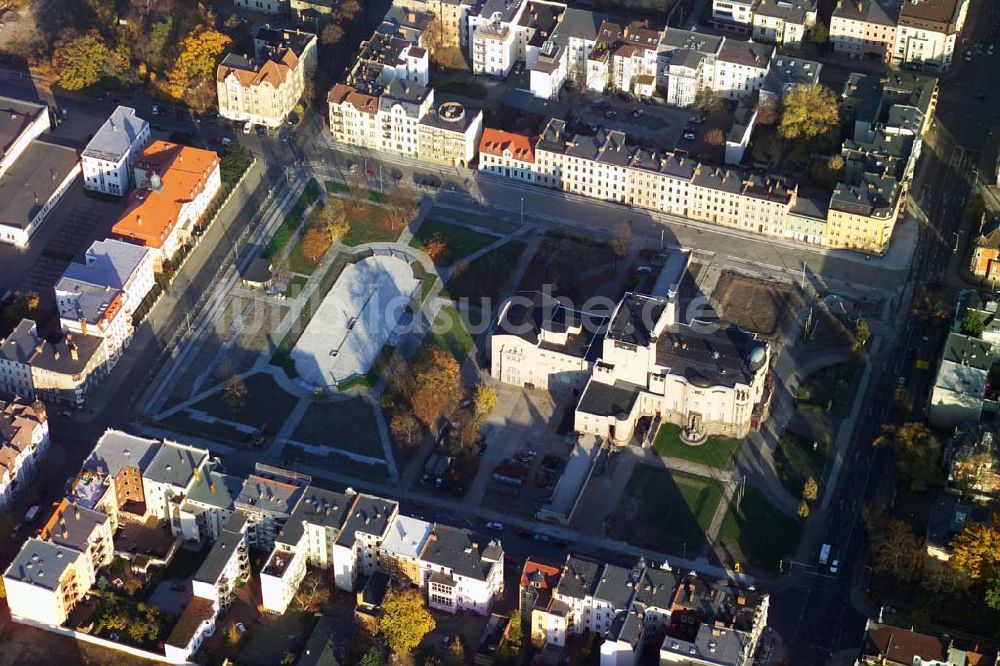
<point>861,334</point>
<point>976,549</point>
<point>456,652</point>
<point>347,11</point>
<point>436,247</point>
<point>809,111</point>
<point>405,428</point>
<point>436,385</point>
<point>715,137</point>
<point>810,490</point>
<point>434,40</point>
<point>484,401</point>
<point>400,206</point>
<point>992,594</point>
<point>196,60</point>
<point>896,550</point>
<point>315,243</point>
<point>621,240</point>
<point>25,305</point>
<point>917,453</point>
<point>767,111</point>
<point>803,509</point>
<point>404,620</point>
<point>233,634</point>
<point>357,186</point>
<point>332,33</point>
<point>707,100</point>
<point>82,61</point>
<point>313,593</point>
<point>234,394</point>
<point>969,471</point>
<point>332,218</point>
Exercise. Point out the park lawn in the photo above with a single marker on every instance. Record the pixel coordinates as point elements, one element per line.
<point>718,452</point>
<point>757,534</point>
<point>267,404</point>
<point>293,220</point>
<point>449,333</point>
<point>368,225</point>
<point>461,241</point>
<point>831,384</point>
<point>795,461</point>
<point>427,281</point>
<point>487,275</point>
<point>667,510</point>
<point>297,262</point>
<point>295,286</point>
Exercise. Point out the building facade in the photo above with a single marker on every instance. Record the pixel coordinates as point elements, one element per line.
<point>107,159</point>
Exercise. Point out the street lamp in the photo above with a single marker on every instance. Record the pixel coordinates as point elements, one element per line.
<point>522,211</point>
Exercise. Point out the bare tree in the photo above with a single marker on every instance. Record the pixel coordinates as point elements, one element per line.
<point>621,241</point>
<point>313,593</point>
<point>400,206</point>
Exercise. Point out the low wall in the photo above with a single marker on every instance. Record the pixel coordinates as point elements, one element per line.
<point>102,642</point>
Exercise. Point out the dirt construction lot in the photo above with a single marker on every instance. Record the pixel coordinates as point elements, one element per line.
<point>763,307</point>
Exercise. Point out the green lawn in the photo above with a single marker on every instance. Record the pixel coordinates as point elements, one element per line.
<point>295,286</point>
<point>293,220</point>
<point>297,262</point>
<point>716,452</point>
<point>666,510</point>
<point>448,333</point>
<point>185,563</point>
<point>487,275</point>
<point>267,404</point>
<point>369,225</point>
<point>795,461</point>
<point>426,280</point>
<point>461,241</point>
<point>757,534</point>
<point>829,385</point>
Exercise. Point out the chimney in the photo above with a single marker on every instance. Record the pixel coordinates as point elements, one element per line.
<point>75,355</point>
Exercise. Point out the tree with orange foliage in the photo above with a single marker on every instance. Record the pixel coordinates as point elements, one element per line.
<point>196,61</point>
<point>436,246</point>
<point>436,382</point>
<point>315,244</point>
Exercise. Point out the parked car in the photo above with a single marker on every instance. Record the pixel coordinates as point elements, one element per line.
<point>968,55</point>
<point>156,109</point>
<point>494,525</point>
<point>834,566</point>
<point>248,128</point>
<point>689,136</point>
<point>541,538</point>
<point>990,50</point>
<point>610,114</point>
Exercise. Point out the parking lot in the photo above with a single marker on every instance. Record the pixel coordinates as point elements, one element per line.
<point>649,121</point>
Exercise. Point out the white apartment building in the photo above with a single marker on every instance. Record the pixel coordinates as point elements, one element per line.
<point>783,22</point>
<point>493,36</point>
<point>112,265</point>
<point>265,90</point>
<point>624,59</point>
<point>355,552</point>
<point>45,581</point>
<point>268,498</point>
<point>168,476</point>
<point>388,121</point>
<point>92,310</point>
<point>107,159</point>
<point>208,504</point>
<point>507,154</point>
<point>225,566</point>
<point>24,439</point>
<point>32,186</point>
<point>741,67</point>
<point>399,553</point>
<point>865,28</point>
<point>928,32</point>
<point>733,14</point>
<point>450,134</point>
<point>81,529</point>
<point>463,575</point>
<point>686,64</point>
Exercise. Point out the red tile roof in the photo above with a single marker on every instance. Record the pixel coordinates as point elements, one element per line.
<point>495,142</point>
<point>152,214</point>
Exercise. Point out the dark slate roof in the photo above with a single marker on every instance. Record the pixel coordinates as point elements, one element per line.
<point>882,12</point>
<point>175,464</point>
<point>230,538</point>
<point>456,549</point>
<point>634,319</point>
<point>579,577</point>
<point>716,357</point>
<point>692,40</point>
<point>369,515</point>
<point>966,350</point>
<point>746,53</point>
<point>614,586</point>
<point>215,489</point>
<point>19,346</point>
<point>608,399</point>
<point>656,588</point>
<point>318,507</point>
<point>626,627</point>
<point>526,320</point>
